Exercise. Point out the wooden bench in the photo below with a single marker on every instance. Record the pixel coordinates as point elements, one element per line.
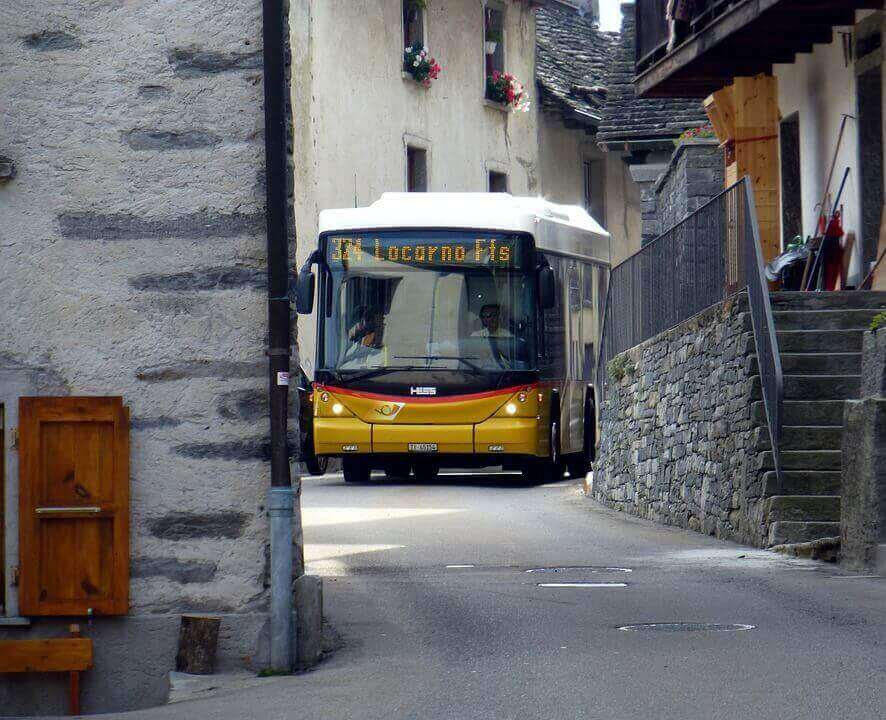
<point>72,655</point>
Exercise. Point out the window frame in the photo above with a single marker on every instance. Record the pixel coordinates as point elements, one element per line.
<point>500,7</point>
<point>499,173</point>
<point>423,24</point>
<point>411,148</point>
<point>587,173</point>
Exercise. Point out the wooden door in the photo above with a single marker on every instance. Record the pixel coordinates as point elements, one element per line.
<point>74,505</point>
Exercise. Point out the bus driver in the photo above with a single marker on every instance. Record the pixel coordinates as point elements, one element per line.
<point>490,317</point>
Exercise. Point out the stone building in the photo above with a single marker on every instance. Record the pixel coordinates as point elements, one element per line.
<point>364,133</point>
<point>132,248</point>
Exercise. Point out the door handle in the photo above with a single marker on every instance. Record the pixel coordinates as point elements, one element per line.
<point>66,510</point>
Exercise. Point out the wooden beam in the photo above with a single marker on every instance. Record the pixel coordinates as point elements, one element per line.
<point>56,655</point>
<point>756,152</point>
<point>721,111</point>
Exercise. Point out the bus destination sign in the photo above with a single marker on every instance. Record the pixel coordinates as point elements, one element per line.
<point>481,252</point>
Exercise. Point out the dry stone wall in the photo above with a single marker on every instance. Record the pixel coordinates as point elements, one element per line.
<point>678,444</point>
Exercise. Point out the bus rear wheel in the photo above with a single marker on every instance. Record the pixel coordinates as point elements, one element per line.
<point>397,470</point>
<point>355,470</point>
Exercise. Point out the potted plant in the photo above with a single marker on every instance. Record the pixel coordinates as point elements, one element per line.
<point>417,61</point>
<point>493,38</point>
<point>702,134</point>
<point>504,88</point>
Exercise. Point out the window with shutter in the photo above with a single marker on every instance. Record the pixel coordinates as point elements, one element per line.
<point>74,505</point>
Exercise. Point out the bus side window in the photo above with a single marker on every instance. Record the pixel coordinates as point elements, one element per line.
<point>553,325</point>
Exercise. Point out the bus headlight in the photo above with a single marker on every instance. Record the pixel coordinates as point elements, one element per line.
<point>324,397</point>
<point>511,408</point>
<point>337,408</point>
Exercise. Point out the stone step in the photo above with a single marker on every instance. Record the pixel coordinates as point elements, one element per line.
<point>802,482</point>
<point>801,437</point>
<point>802,460</point>
<point>803,508</point>
<point>813,387</point>
<point>783,533</point>
<point>823,319</point>
<point>813,364</point>
<point>803,412</point>
<point>804,341</point>
<point>828,300</point>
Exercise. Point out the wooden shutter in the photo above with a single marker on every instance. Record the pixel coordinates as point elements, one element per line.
<point>74,505</point>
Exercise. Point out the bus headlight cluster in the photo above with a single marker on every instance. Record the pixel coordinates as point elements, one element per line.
<point>337,408</point>
<point>324,397</point>
<point>511,409</point>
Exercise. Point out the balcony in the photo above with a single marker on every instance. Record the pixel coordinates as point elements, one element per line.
<point>725,39</point>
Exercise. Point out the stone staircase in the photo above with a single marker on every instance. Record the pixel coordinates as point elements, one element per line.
<point>819,339</point>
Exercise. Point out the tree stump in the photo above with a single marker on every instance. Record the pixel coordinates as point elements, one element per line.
<point>197,644</point>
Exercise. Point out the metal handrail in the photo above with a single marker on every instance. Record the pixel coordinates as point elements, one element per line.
<point>765,339</point>
<point>708,256</point>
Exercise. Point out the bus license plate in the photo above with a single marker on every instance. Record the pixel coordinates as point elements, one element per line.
<point>423,447</point>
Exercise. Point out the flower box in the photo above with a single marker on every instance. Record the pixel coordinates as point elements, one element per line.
<point>505,89</point>
<point>418,63</point>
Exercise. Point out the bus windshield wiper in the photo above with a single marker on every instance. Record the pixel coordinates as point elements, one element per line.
<point>465,360</point>
<point>372,372</point>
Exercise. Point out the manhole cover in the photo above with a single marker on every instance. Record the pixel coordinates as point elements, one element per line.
<point>579,568</point>
<point>583,585</point>
<point>686,627</point>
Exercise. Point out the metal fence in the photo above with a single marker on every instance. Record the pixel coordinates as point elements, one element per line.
<point>712,254</point>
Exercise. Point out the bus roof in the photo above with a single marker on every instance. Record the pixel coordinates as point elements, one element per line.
<point>560,229</point>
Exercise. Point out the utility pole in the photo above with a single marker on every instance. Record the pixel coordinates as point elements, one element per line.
<point>281,495</point>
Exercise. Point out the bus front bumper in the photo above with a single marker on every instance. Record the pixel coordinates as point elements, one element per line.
<point>505,436</point>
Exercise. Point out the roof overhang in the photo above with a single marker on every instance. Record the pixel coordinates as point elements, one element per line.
<point>745,39</point>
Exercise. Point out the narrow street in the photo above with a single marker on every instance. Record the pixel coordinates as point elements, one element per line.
<point>420,639</point>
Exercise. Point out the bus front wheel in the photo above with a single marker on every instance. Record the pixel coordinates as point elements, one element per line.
<point>355,470</point>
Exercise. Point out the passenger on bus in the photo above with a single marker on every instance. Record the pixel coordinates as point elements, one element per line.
<point>366,338</point>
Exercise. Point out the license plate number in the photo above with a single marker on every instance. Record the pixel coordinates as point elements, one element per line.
<point>422,447</point>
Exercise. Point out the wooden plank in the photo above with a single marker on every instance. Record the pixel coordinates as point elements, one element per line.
<point>74,506</point>
<point>55,655</point>
<point>756,152</point>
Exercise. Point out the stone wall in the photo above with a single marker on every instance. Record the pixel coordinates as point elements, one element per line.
<point>693,176</point>
<point>678,444</point>
<point>863,479</point>
<point>133,263</point>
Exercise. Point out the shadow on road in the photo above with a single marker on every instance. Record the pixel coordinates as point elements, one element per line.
<point>463,478</point>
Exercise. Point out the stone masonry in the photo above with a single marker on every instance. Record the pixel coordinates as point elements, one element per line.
<point>133,263</point>
<point>694,175</point>
<point>677,438</point>
<point>863,481</point>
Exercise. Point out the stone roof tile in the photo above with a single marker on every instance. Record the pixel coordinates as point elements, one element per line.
<point>572,57</point>
<point>627,118</point>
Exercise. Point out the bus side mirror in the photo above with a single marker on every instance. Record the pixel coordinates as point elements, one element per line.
<point>304,292</point>
<point>546,290</point>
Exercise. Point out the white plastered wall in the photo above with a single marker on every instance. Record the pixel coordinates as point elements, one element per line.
<point>821,89</point>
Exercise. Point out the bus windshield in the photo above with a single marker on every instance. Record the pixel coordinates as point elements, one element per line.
<point>414,300</point>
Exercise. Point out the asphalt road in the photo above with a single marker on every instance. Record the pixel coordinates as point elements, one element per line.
<point>423,640</point>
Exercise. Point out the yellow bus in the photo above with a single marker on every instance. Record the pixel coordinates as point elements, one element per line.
<point>456,330</point>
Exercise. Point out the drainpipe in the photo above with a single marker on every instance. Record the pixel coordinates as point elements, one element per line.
<point>281,495</point>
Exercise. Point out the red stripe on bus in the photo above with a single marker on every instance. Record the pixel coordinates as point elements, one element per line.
<point>418,399</point>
